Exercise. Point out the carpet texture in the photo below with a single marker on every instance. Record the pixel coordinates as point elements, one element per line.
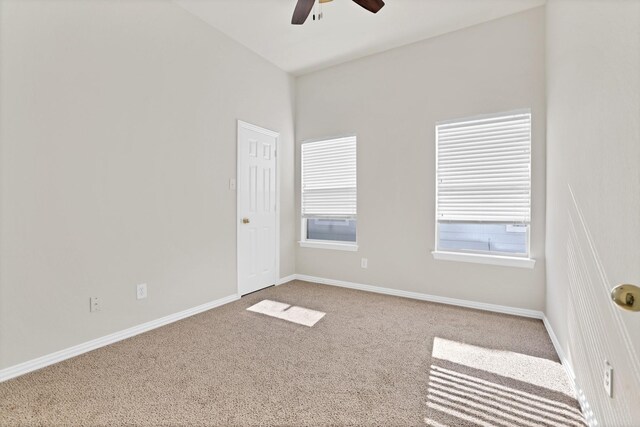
<point>372,360</point>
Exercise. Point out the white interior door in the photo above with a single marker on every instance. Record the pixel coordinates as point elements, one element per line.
<point>257,220</point>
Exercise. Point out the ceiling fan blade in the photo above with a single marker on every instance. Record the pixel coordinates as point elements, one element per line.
<point>371,5</point>
<point>302,10</point>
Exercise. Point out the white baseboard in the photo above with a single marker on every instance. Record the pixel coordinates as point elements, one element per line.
<point>568,367</point>
<point>561,354</point>
<point>425,297</point>
<point>286,279</point>
<point>76,350</point>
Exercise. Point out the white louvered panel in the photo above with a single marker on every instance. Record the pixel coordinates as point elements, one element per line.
<point>484,169</point>
<point>329,187</point>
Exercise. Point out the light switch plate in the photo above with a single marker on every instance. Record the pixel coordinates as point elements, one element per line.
<point>232,184</point>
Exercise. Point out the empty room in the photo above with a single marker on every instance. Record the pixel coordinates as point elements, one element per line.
<point>320,213</point>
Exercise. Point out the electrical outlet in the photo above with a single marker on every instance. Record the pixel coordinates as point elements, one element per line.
<point>141,291</point>
<point>94,304</point>
<point>364,263</point>
<point>608,378</point>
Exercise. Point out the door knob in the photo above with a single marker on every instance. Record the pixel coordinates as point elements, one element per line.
<point>626,297</point>
<point>245,220</point>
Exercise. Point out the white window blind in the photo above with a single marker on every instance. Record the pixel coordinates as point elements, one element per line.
<point>329,178</point>
<point>484,169</point>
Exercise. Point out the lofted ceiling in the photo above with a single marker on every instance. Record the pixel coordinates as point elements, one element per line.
<point>347,31</point>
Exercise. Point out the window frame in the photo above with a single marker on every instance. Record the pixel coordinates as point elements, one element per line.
<point>478,256</point>
<point>523,255</point>
<point>325,244</point>
<point>304,242</point>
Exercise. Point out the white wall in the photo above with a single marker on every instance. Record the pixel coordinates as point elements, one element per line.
<point>392,101</point>
<point>118,137</point>
<point>593,190</point>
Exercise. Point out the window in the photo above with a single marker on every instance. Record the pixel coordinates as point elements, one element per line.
<point>483,185</point>
<point>329,193</point>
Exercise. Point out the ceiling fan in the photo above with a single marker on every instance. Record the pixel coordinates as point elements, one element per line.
<point>303,8</point>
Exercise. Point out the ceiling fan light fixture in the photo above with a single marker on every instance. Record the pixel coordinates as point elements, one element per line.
<point>303,8</point>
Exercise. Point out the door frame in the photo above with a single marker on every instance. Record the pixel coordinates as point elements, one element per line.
<point>246,125</point>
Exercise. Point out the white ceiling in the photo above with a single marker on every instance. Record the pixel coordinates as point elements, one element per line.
<point>347,31</point>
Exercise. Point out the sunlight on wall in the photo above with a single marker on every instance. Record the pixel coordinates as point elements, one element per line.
<point>596,331</point>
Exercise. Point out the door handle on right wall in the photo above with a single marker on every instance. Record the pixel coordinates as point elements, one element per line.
<point>626,297</point>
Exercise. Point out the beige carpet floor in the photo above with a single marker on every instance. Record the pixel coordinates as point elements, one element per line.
<point>372,360</point>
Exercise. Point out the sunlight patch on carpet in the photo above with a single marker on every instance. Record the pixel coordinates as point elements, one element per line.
<point>533,370</point>
<point>295,314</point>
<point>490,387</point>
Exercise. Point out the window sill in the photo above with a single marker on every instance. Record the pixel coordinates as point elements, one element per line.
<point>506,261</point>
<point>329,245</point>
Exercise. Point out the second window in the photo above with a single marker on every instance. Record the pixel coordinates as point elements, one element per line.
<point>329,191</point>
